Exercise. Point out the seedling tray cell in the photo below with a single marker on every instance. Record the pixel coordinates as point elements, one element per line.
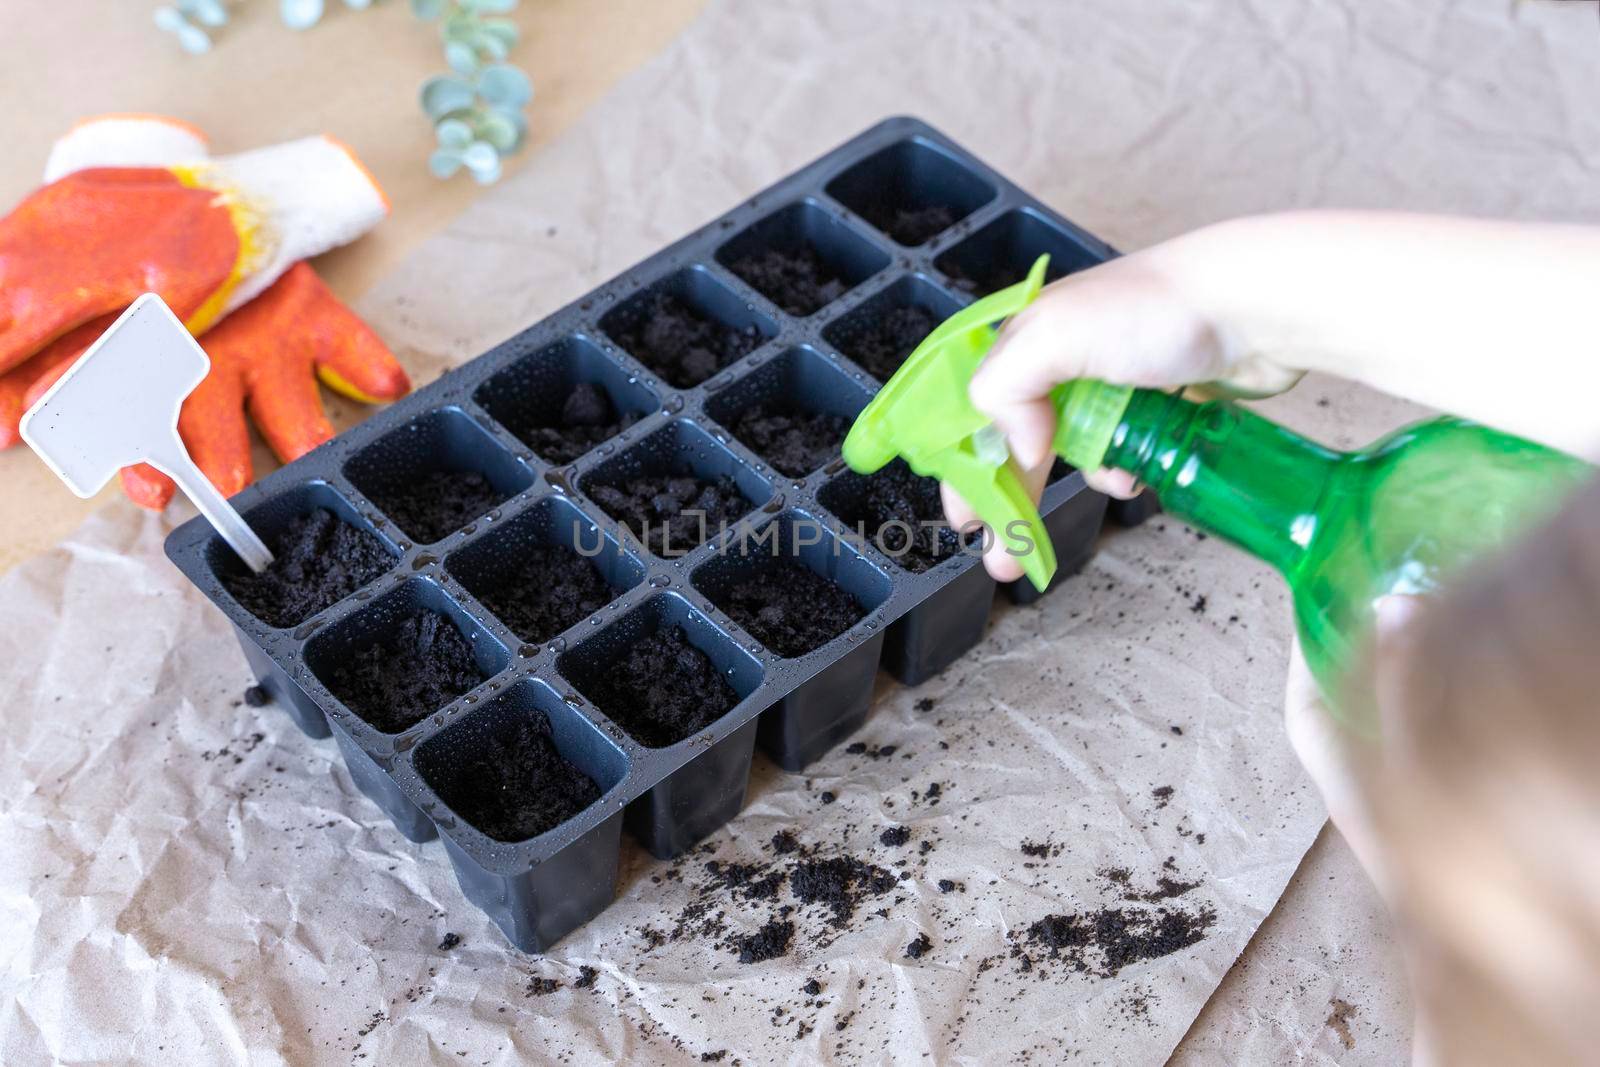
<point>509,650</point>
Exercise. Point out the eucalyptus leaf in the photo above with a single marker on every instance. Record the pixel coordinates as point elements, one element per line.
<point>498,130</point>
<point>486,175</point>
<point>443,162</point>
<point>453,134</point>
<point>205,12</point>
<point>193,39</point>
<point>300,14</point>
<point>490,45</point>
<point>427,10</point>
<point>519,122</point>
<point>480,155</point>
<point>358,5</point>
<point>169,18</point>
<point>443,94</point>
<point>495,6</point>
<point>462,57</point>
<point>505,85</point>
<point>503,30</point>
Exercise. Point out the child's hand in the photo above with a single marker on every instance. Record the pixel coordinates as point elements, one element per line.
<point>1491,321</point>
<point>1131,321</point>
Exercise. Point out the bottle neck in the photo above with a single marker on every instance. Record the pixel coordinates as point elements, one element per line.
<point>1229,472</point>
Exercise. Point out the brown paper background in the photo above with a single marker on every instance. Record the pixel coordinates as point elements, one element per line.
<point>170,906</point>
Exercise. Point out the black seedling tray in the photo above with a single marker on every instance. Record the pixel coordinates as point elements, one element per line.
<point>483,756</point>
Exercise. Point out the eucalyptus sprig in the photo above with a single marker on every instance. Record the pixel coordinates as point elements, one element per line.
<point>477,110</point>
<point>189,20</point>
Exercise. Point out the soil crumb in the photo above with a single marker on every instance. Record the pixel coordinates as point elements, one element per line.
<point>318,560</point>
<point>796,279</point>
<point>585,419</point>
<point>257,697</point>
<point>895,836</point>
<point>795,443</point>
<point>541,987</point>
<point>889,507</point>
<point>918,948</point>
<point>767,943</point>
<point>881,341</point>
<point>422,666</point>
<point>512,784</point>
<point>429,506</point>
<point>550,589</point>
<point>791,609</point>
<point>679,343</point>
<point>662,689</point>
<point>449,942</point>
<point>672,514</point>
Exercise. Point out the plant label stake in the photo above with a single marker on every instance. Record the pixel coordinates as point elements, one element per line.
<point>119,405</point>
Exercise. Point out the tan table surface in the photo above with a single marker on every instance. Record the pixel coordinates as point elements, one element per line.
<point>354,76</point>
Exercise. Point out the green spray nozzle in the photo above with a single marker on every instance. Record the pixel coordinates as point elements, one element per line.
<point>923,415</point>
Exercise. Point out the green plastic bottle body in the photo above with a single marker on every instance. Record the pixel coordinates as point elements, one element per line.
<point>1343,528</point>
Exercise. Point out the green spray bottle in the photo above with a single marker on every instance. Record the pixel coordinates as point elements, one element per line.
<point>1343,528</point>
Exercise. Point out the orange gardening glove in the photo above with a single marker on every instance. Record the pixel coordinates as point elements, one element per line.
<point>209,236</point>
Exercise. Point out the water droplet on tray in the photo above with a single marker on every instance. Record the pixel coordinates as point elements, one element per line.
<point>527,652</point>
<point>573,699</point>
<point>673,404</point>
<point>424,560</point>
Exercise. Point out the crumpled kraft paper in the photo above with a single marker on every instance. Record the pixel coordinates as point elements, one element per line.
<point>191,880</point>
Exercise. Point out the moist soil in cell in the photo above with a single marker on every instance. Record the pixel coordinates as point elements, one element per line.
<point>437,503</point>
<point>911,225</point>
<point>795,443</point>
<point>881,339</point>
<point>791,609</point>
<point>890,507</point>
<point>798,279</point>
<point>585,418</point>
<point>992,276</point>
<point>317,560</point>
<point>662,689</point>
<point>672,513</point>
<point>680,344</point>
<point>397,682</point>
<point>549,589</point>
<point>514,784</point>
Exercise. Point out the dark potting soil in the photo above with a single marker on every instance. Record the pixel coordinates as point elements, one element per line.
<point>919,948</point>
<point>429,506</point>
<point>795,443</point>
<point>992,275</point>
<point>513,784</point>
<point>400,681</point>
<point>895,836</point>
<point>767,943</point>
<point>883,504</point>
<point>791,608</point>
<point>680,344</point>
<point>585,419</point>
<point>797,279</point>
<point>910,225</point>
<point>672,513</point>
<point>881,342</point>
<point>317,560</point>
<point>662,689</point>
<point>1104,941</point>
<point>551,588</point>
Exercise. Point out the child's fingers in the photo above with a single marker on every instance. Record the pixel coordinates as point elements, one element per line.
<point>1114,483</point>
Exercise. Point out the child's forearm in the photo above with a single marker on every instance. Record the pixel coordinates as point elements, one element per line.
<point>1495,321</point>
